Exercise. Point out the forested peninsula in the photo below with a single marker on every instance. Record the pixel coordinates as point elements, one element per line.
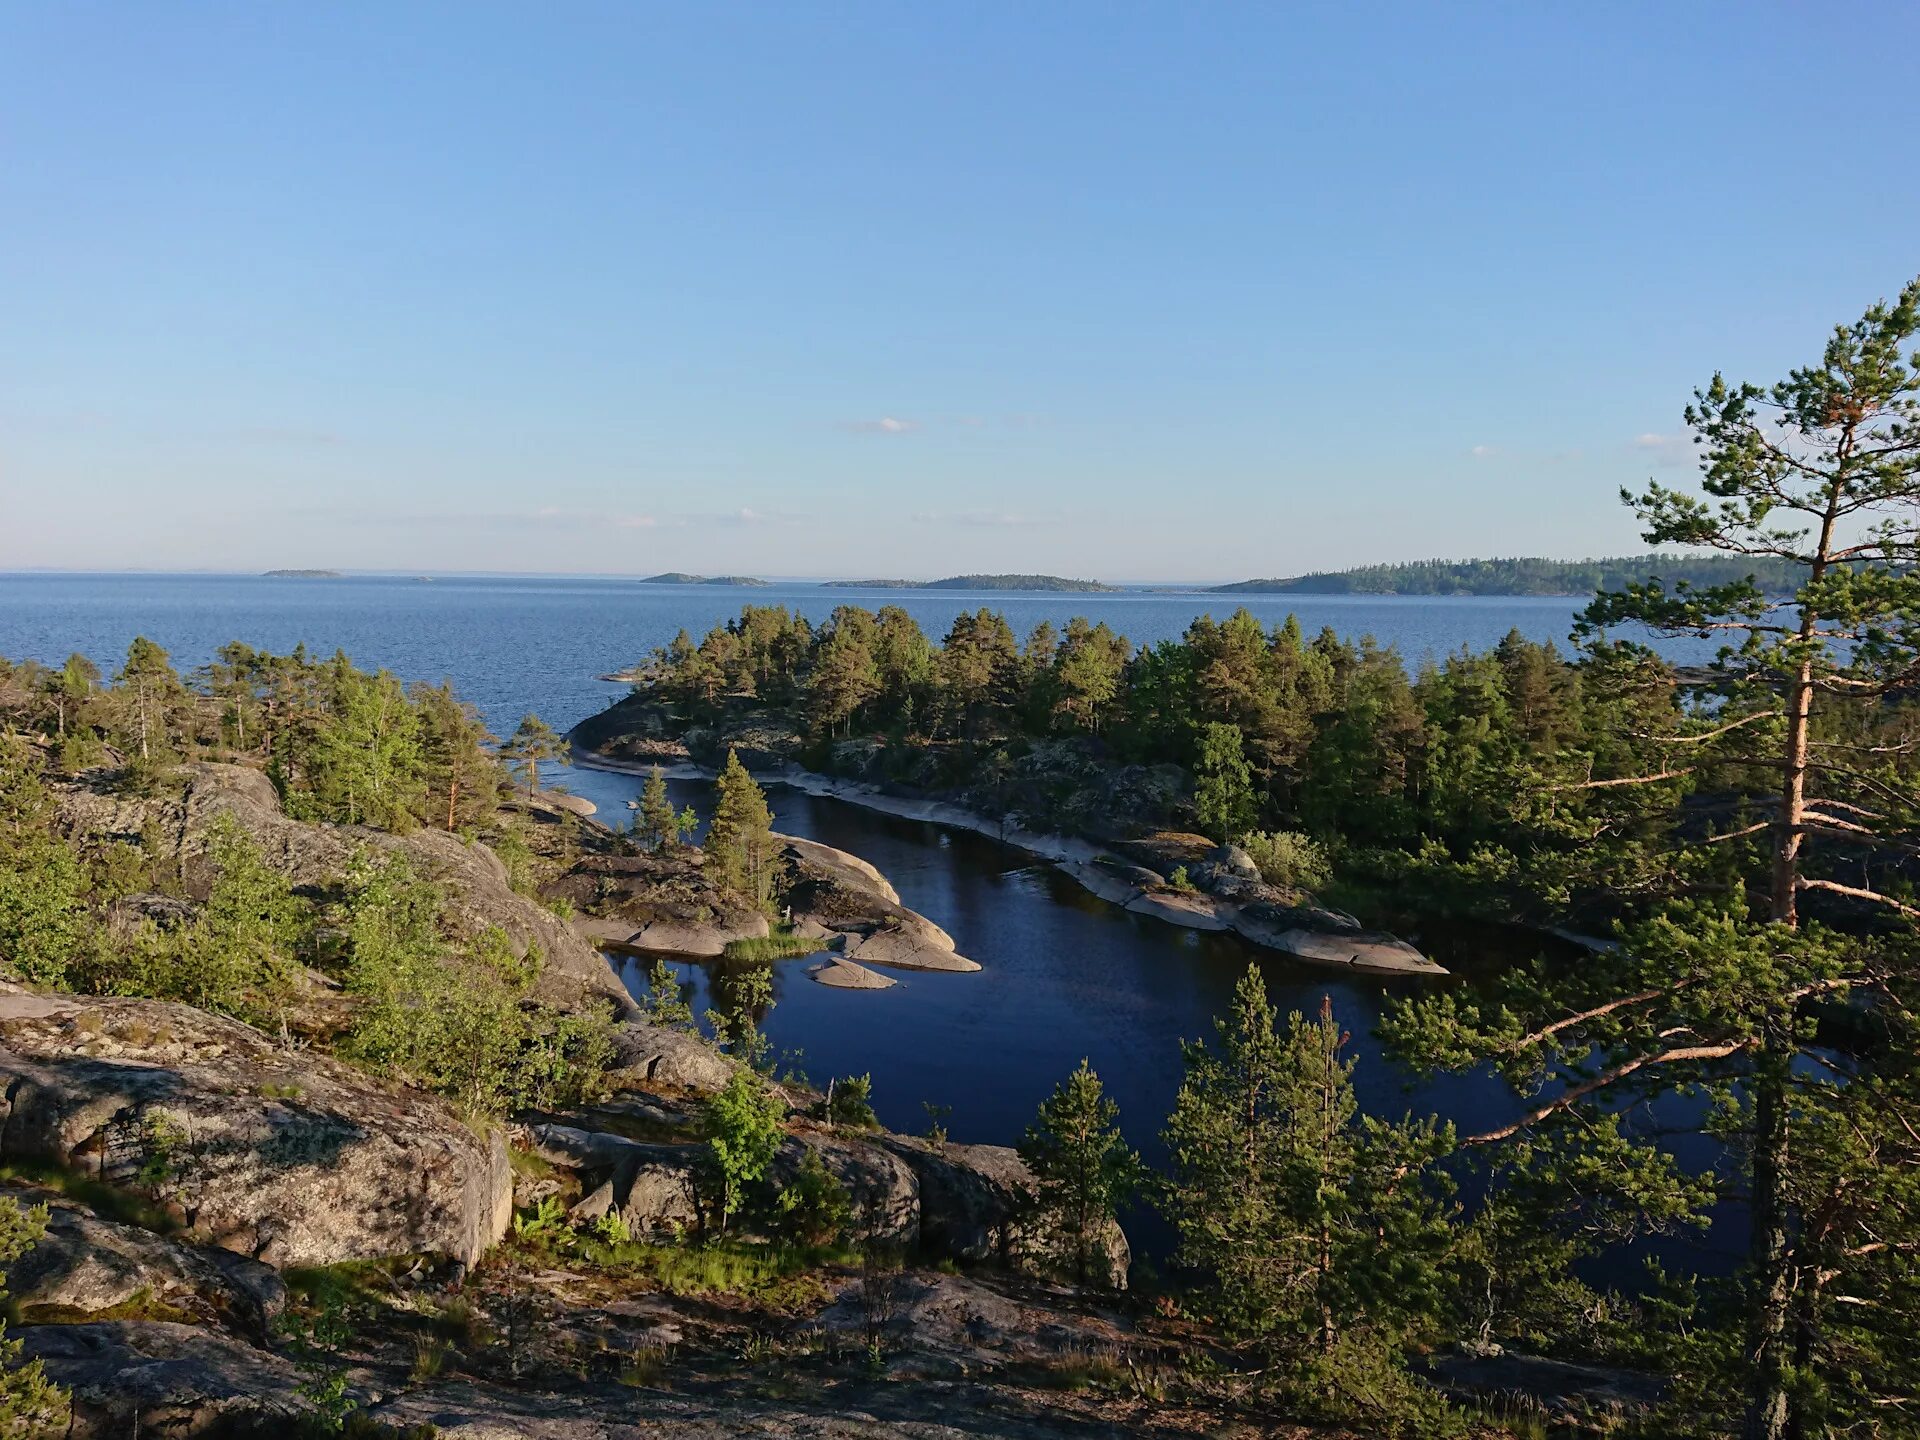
<point>1526,575</point>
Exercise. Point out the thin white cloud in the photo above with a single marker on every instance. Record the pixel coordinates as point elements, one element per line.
<point>885,425</point>
<point>1483,452</point>
<point>1666,449</point>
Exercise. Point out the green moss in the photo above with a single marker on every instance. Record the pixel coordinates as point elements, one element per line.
<point>348,1283</point>
<point>110,1202</point>
<point>141,1305</point>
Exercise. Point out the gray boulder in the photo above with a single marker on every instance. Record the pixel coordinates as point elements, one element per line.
<point>976,1204</point>
<point>661,1056</point>
<point>291,1158</point>
<point>151,1377</point>
<point>83,1265</point>
<point>884,1189</point>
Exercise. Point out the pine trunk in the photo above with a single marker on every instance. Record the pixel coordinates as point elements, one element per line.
<point>1767,1406</point>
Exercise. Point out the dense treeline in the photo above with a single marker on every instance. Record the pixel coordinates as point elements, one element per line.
<point>1529,575</point>
<point>339,743</point>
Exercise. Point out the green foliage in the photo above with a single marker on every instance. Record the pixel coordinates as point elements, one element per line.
<point>743,993</point>
<point>533,741</point>
<point>1289,859</point>
<point>813,1208</point>
<point>1082,1169</point>
<point>1222,783</point>
<point>739,843</point>
<point>31,1406</point>
<point>781,944</point>
<point>742,1124</point>
<point>665,1002</point>
<point>462,1025</point>
<point>659,825</point>
<point>849,1103</point>
<point>1324,1232</point>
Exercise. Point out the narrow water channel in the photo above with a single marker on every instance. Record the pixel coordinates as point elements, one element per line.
<point>1064,975</point>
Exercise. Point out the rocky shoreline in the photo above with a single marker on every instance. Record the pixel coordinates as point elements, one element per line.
<point>1320,937</point>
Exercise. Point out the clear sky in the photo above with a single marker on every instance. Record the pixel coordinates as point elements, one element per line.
<point>1139,292</point>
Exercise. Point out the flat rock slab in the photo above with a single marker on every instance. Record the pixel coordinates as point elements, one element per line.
<point>1190,910</point>
<point>845,865</point>
<point>1375,954</point>
<point>907,950</point>
<point>845,975</point>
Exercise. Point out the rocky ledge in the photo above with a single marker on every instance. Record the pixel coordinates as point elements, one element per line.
<point>283,1156</point>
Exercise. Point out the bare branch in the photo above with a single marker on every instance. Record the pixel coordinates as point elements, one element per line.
<point>1873,896</point>
<point>1577,1093</point>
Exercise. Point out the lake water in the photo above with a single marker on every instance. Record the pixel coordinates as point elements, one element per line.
<point>518,644</point>
<point>1065,975</point>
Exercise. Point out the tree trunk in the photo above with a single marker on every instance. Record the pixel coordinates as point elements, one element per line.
<point>1771,1281</point>
<point>1785,908</point>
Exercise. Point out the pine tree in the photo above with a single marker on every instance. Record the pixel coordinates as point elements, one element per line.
<point>1323,1231</point>
<point>532,741</point>
<point>1795,741</point>
<point>659,825</point>
<point>31,1406</point>
<point>740,836</point>
<point>455,762</point>
<point>1084,1171</point>
<point>1222,784</point>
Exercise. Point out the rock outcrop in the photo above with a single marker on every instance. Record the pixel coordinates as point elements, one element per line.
<point>474,880</point>
<point>839,974</point>
<point>653,1057</point>
<point>152,1377</point>
<point>975,1204</point>
<point>84,1265</point>
<point>290,1158</point>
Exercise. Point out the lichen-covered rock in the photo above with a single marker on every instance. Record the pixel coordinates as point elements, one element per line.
<point>660,1056</point>
<point>151,1377</point>
<point>83,1265</point>
<point>291,1158</point>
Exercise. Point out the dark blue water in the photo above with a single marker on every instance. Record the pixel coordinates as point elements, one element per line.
<point>1065,975</point>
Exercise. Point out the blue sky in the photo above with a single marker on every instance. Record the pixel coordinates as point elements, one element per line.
<point>1142,292</point>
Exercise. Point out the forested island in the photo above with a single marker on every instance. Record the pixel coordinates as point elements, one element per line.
<point>680,577</point>
<point>1526,575</point>
<point>300,575</point>
<point>1038,584</point>
<point>327,1112</point>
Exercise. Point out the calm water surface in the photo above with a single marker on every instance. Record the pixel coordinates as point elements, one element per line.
<point>1065,975</point>
<point>518,644</point>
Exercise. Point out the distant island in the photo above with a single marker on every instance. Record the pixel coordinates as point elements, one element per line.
<point>1051,583</point>
<point>301,574</point>
<point>1524,575</point>
<point>680,577</point>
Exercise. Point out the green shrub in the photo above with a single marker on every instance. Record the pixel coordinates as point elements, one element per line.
<point>30,1404</point>
<point>1289,859</point>
<point>850,1102</point>
<point>813,1208</point>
